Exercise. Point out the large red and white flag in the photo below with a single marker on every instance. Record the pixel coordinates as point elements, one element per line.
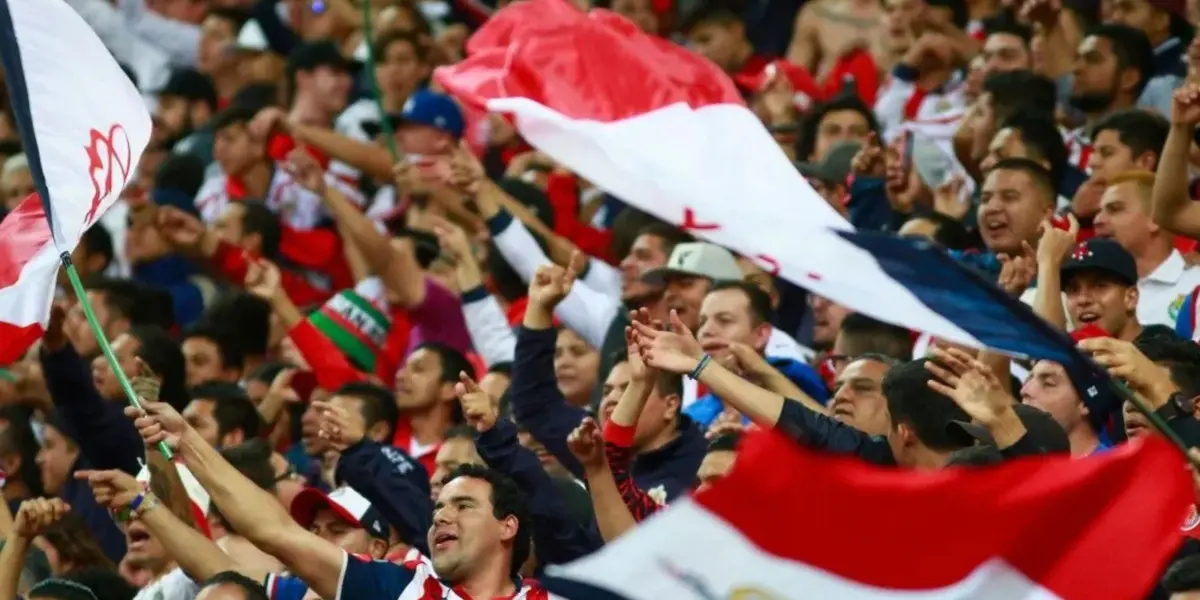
<point>665,130</point>
<point>83,127</point>
<point>790,523</point>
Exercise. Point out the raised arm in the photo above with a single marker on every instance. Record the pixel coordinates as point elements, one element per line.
<point>1173,208</point>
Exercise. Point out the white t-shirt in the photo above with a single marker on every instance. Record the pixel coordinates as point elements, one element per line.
<point>1162,292</point>
<point>175,585</point>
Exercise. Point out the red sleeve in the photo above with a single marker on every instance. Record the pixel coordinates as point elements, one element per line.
<point>279,145</point>
<point>618,442</point>
<point>318,250</point>
<point>563,193</point>
<point>395,348</point>
<point>230,261</point>
<point>327,362</point>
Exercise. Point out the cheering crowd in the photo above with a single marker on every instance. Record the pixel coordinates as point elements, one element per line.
<point>384,348</point>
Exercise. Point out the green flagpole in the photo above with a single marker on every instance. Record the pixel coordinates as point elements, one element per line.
<point>384,124</point>
<point>102,340</point>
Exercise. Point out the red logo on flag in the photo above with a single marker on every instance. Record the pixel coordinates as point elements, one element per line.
<point>691,224</point>
<point>107,155</point>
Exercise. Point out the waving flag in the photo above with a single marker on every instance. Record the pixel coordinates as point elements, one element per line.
<point>1040,528</point>
<point>83,127</point>
<point>666,131</point>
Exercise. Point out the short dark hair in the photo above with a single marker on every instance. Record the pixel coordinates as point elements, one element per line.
<point>806,139</point>
<point>1021,88</point>
<point>453,361</point>
<point>875,336</point>
<point>252,459</point>
<point>231,117</point>
<point>97,241</point>
<point>725,442</point>
<point>227,344</point>
<point>979,455</point>
<point>121,296</point>
<point>161,353</point>
<point>1183,575</point>
<point>182,172</point>
<point>1003,22</point>
<point>252,589</point>
<point>105,583</point>
<point>1132,49</point>
<point>1141,130</point>
<point>252,316</point>
<point>758,300</point>
<point>950,232</point>
<point>1040,134</point>
<point>235,16</point>
<point>507,500</point>
<point>378,404</point>
<point>670,235</point>
<point>233,410</point>
<point>387,38</point>
<point>910,401</point>
<point>267,372</point>
<point>1037,173</point>
<point>722,12</point>
<point>1180,357</point>
<point>257,218</point>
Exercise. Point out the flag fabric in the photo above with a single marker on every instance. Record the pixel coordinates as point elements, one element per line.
<point>199,498</point>
<point>83,127</point>
<point>790,523</point>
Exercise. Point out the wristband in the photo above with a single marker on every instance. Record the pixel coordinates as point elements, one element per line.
<point>704,360</point>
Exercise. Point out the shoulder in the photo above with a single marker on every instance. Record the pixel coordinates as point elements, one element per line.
<point>363,578</point>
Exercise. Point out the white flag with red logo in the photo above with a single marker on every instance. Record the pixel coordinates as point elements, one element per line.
<point>790,523</point>
<point>83,127</point>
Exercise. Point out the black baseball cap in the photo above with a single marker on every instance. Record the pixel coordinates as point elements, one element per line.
<point>191,85</point>
<point>310,55</point>
<point>1040,427</point>
<point>1100,254</point>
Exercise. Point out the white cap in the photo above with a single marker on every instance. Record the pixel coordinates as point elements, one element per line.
<point>251,38</point>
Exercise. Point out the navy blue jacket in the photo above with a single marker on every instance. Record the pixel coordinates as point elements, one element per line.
<point>395,484</point>
<point>558,538</point>
<point>106,438</point>
<point>540,408</point>
<point>174,274</point>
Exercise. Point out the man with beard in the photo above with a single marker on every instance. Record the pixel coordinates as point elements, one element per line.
<point>185,105</point>
<point>1112,65</point>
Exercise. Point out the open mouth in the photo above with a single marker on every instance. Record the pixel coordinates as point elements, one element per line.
<point>1088,317</point>
<point>443,540</point>
<point>137,536</point>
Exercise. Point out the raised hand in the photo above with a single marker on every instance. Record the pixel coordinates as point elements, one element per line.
<point>337,426</point>
<point>146,384</point>
<point>749,362</point>
<point>55,336</point>
<point>869,161</point>
<point>947,198</point>
<point>157,422</point>
<point>676,350</point>
<point>478,406</point>
<point>1041,12</point>
<point>306,171</point>
<point>451,238</point>
<point>466,173</point>
<point>113,490</point>
<point>267,121</point>
<point>281,390</point>
<point>729,421</point>
<point>1055,245</point>
<point>181,229</point>
<point>36,514</point>
<point>552,283</point>
<point>1123,360</point>
<point>263,279</point>
<point>971,384</point>
<point>639,370</point>
<point>587,444</point>
<point>1185,105</point>
<point>1017,273</point>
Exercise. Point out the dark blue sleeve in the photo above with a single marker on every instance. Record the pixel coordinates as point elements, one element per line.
<point>536,403</point>
<point>106,437</point>
<point>373,580</point>
<point>822,432</point>
<point>557,537</point>
<point>285,587</point>
<point>97,519</point>
<point>869,207</point>
<point>279,36</point>
<point>395,484</point>
<point>187,301</point>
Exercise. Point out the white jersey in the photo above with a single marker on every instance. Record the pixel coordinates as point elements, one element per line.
<point>297,207</point>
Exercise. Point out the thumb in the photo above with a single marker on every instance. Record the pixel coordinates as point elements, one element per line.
<point>468,383</point>
<point>677,324</point>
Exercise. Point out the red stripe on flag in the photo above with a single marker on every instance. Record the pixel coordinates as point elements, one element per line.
<point>23,233</point>
<point>1096,528</point>
<point>15,340</point>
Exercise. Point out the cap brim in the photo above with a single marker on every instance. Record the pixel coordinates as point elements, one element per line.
<point>661,275</point>
<point>967,433</point>
<point>1068,271</point>
<point>309,501</point>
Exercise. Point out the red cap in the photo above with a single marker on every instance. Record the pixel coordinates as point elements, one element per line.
<point>803,84</point>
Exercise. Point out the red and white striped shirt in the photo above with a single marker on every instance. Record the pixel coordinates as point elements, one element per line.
<point>297,207</point>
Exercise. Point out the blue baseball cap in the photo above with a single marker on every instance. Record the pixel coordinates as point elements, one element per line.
<point>436,110</point>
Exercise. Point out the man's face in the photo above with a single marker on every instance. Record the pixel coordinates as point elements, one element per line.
<point>199,414</point>
<point>465,531</point>
<point>718,42</point>
<point>837,126</point>
<point>1011,211</point>
<point>715,466</point>
<point>900,19</point>
<point>1138,14</point>
<point>142,547</point>
<point>423,140</point>
<point>1136,424</point>
<point>1110,156</point>
<point>171,116</point>
<point>684,294</point>
<point>1049,389</point>
<point>576,365</point>
<point>202,359</point>
<point>657,414</point>
<point>832,192</point>
<point>236,150</point>
<point>332,528</point>
<point>126,348</point>
<point>858,400</point>
<point>399,70</point>
<point>725,317</point>
<point>827,320</point>
<point>1007,143</point>
<point>1094,297</point>
<point>16,186</point>
<point>1123,217</point>
<point>454,453</point>
<point>288,483</point>
<point>646,253</point>
<point>614,386</point>
<point>229,225</point>
<point>80,333</point>
<point>419,382</point>
<point>1095,82</point>
<point>144,243</point>
<point>1004,52</point>
<point>55,459</point>
<point>216,37</point>
<point>330,86</point>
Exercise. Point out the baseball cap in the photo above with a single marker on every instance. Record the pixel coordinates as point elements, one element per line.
<point>426,107</point>
<point>1100,254</point>
<point>310,55</point>
<point>696,259</point>
<point>804,88</point>
<point>836,166</point>
<point>1040,427</point>
<point>251,38</point>
<point>344,502</point>
<point>190,84</point>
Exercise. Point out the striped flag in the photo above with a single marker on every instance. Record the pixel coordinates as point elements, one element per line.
<point>789,523</point>
<point>84,127</point>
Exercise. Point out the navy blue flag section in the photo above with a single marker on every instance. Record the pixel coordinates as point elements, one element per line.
<point>999,321</point>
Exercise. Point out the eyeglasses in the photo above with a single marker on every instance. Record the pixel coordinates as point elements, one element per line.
<point>288,474</point>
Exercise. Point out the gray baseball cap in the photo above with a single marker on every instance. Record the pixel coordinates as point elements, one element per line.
<point>696,259</point>
<point>836,166</point>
